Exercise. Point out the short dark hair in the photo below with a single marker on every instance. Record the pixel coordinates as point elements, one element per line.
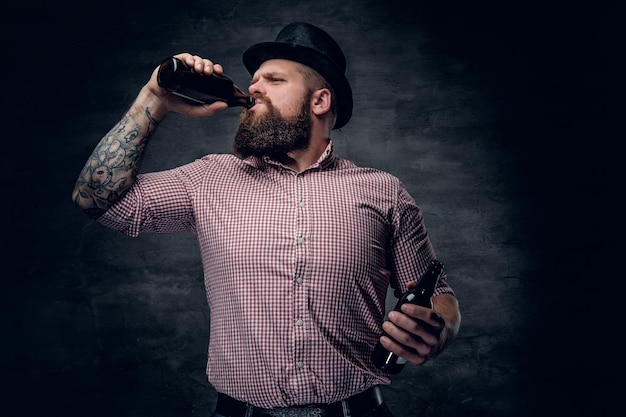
<point>315,81</point>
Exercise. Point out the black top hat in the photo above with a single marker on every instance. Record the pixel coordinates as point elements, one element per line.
<point>311,46</point>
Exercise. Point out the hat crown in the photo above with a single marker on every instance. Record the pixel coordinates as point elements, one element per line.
<point>307,35</point>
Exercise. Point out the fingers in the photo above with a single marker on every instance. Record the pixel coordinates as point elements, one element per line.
<point>414,333</point>
<point>192,110</point>
<point>432,320</point>
<point>410,332</point>
<point>200,65</point>
<point>178,105</point>
<point>410,355</point>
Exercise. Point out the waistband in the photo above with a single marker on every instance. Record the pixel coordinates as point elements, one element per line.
<point>356,406</point>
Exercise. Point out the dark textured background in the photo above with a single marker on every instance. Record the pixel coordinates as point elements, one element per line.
<point>498,116</point>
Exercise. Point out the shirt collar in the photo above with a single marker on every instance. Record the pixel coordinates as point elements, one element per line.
<point>325,161</point>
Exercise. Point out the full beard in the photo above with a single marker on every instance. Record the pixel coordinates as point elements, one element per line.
<point>271,134</point>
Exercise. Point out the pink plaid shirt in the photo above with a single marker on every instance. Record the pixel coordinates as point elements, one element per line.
<point>296,267</point>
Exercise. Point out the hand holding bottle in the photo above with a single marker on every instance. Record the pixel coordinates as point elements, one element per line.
<point>413,332</point>
<point>164,101</point>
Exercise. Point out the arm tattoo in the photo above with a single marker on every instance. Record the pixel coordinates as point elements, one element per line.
<point>152,123</point>
<point>113,165</point>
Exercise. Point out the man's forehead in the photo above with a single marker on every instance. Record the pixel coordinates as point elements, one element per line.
<point>278,65</point>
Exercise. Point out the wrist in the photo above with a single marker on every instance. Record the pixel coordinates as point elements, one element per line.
<point>148,103</point>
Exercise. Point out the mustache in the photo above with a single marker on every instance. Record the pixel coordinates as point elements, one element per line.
<point>263,97</point>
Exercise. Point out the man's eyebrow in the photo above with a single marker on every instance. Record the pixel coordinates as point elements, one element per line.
<point>268,75</point>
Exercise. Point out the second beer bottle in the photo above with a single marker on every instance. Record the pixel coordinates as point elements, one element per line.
<point>177,77</point>
<point>421,295</point>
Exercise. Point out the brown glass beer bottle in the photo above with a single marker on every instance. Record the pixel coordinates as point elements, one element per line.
<point>177,77</point>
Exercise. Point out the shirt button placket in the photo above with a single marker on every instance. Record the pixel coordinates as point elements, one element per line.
<point>299,290</point>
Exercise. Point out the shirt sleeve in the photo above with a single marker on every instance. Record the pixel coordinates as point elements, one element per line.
<point>411,250</point>
<point>158,202</point>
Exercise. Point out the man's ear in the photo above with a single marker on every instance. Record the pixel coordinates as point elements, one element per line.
<point>321,102</point>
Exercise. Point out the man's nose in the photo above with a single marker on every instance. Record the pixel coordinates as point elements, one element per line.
<point>255,88</point>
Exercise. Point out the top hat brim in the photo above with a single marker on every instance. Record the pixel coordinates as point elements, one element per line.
<point>255,55</point>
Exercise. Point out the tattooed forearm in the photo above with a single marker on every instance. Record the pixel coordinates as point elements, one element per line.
<point>153,123</point>
<point>113,165</point>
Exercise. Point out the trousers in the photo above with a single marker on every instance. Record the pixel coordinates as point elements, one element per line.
<point>366,404</point>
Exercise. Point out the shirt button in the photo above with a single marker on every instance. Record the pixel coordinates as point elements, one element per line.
<point>299,280</point>
<point>299,323</point>
<point>300,365</point>
<point>300,240</point>
<point>301,204</point>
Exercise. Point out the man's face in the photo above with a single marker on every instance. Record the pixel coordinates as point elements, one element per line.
<point>280,121</point>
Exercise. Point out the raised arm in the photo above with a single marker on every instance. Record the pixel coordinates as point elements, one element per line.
<point>113,165</point>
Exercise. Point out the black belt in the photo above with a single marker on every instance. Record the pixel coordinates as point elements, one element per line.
<point>359,405</point>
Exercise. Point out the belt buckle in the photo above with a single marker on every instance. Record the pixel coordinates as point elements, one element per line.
<point>296,412</point>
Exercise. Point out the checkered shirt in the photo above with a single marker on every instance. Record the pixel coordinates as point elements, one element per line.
<point>296,267</point>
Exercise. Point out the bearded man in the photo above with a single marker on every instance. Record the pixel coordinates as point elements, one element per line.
<point>298,246</point>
